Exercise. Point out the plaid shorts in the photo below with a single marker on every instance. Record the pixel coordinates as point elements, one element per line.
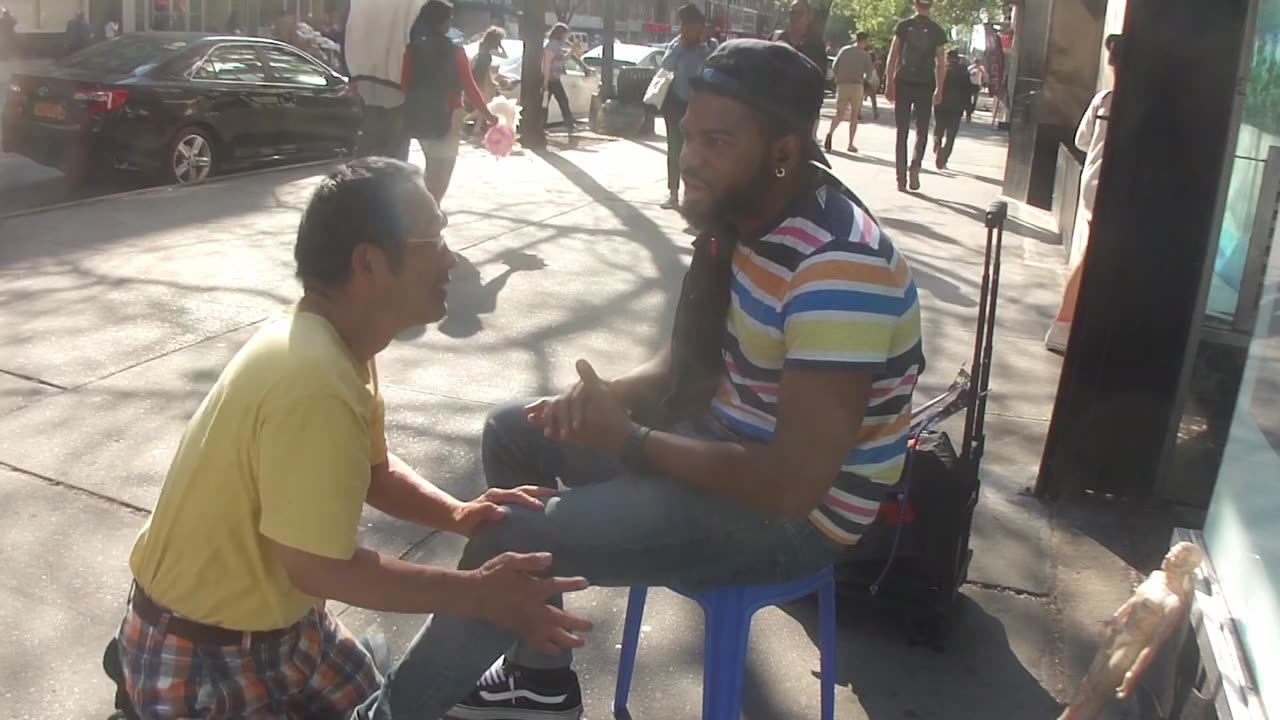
<point>314,670</point>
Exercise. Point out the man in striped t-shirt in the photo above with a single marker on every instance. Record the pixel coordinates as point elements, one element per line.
<point>789,380</point>
<point>825,292</point>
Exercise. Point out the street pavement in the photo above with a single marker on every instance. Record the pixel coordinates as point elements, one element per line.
<point>116,316</point>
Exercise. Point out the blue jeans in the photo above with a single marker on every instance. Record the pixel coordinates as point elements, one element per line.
<point>612,526</point>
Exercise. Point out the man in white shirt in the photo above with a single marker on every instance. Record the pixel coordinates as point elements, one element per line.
<point>374,43</point>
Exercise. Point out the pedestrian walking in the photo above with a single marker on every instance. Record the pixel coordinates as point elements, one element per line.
<point>436,75</point>
<point>1091,137</point>
<point>553,58</point>
<point>79,35</point>
<point>482,70</point>
<point>978,78</point>
<point>684,58</point>
<point>917,64</point>
<point>798,36</point>
<point>8,35</point>
<point>373,51</point>
<point>875,84</point>
<point>957,91</point>
<point>853,67</point>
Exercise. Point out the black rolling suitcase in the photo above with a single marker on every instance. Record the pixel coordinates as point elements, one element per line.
<point>915,556</point>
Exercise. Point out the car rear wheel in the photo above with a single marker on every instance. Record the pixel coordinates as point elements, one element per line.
<point>190,158</point>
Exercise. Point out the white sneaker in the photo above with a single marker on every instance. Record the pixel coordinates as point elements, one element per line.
<point>1056,339</point>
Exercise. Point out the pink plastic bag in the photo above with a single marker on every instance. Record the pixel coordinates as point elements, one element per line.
<point>500,140</point>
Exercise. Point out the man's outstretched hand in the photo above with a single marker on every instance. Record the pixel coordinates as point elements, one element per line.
<point>512,595</point>
<point>491,506</point>
<point>589,414</point>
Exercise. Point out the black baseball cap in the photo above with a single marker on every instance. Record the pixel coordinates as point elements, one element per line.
<point>770,77</point>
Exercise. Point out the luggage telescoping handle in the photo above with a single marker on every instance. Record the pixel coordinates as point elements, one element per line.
<point>971,449</point>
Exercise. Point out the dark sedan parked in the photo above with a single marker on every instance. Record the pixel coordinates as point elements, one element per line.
<point>180,106</point>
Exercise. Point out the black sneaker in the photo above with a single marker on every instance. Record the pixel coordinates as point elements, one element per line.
<point>511,692</point>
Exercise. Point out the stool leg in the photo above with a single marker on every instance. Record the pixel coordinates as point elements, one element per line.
<point>725,663</point>
<point>630,639</point>
<point>827,647</point>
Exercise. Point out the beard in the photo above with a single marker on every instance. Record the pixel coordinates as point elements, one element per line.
<point>721,207</point>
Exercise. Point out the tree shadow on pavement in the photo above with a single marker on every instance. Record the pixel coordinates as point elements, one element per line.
<point>977,675</point>
<point>933,280</point>
<point>644,230</point>
<point>470,297</point>
<point>917,228</point>
<point>980,178</point>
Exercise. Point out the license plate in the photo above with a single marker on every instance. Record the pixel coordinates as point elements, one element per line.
<point>49,111</point>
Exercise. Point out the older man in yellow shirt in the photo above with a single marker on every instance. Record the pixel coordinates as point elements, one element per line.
<point>256,521</point>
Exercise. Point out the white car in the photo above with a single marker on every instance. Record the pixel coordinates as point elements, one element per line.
<point>580,82</point>
<point>627,55</point>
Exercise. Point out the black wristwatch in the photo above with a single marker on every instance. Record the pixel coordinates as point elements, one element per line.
<point>633,449</point>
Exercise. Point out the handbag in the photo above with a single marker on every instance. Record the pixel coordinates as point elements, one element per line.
<point>659,86</point>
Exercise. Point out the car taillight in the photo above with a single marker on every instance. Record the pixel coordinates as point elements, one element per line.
<point>100,101</point>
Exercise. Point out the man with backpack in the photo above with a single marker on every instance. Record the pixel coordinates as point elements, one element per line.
<point>756,448</point>
<point>916,67</point>
<point>957,91</point>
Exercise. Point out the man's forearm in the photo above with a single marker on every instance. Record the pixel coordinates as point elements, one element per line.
<point>398,491</point>
<point>741,472</point>
<point>644,384</point>
<point>386,584</point>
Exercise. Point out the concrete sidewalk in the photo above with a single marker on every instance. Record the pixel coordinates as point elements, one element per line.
<point>116,316</point>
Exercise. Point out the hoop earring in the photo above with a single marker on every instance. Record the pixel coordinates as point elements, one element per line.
<point>780,172</point>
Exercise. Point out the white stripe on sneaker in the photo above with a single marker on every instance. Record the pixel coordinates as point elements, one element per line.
<point>526,694</point>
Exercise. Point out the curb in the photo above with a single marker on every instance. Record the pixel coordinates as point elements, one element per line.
<point>163,189</point>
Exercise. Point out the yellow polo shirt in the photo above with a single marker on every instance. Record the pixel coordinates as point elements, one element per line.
<point>280,448</point>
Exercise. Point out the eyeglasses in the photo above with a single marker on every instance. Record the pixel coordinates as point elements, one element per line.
<point>434,243</point>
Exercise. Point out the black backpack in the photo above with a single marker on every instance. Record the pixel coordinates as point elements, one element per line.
<point>915,557</point>
<point>918,63</point>
<point>433,85</point>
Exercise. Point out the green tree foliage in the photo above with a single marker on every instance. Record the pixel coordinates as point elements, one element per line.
<point>878,17</point>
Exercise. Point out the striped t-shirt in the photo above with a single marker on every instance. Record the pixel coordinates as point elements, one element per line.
<point>826,289</point>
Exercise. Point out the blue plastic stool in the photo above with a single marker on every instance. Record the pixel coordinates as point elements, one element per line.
<point>728,613</point>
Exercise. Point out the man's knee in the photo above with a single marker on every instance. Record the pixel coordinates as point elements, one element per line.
<point>523,531</point>
<point>506,423</point>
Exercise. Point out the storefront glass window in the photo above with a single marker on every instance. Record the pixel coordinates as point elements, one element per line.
<point>1243,527</point>
<point>1233,306</point>
<point>1242,530</point>
<point>1237,270</point>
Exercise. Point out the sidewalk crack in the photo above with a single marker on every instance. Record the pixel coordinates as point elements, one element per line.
<point>32,379</point>
<point>152,358</point>
<point>1007,590</point>
<point>134,509</point>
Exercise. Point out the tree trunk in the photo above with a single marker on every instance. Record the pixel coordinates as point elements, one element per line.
<point>533,26</point>
<point>610,36</point>
<point>818,23</point>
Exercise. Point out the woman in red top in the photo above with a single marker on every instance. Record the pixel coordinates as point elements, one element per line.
<point>436,74</point>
